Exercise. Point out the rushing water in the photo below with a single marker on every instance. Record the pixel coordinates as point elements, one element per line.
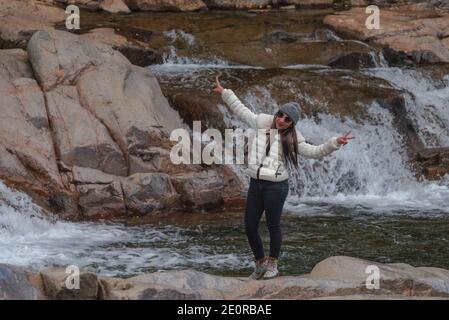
<point>361,201</point>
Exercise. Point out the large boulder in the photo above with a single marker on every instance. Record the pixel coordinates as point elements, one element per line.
<point>28,159</point>
<point>92,109</point>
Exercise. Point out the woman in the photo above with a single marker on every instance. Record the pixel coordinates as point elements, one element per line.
<point>268,187</point>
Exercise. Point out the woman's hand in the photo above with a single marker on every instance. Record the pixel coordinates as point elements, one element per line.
<point>218,88</point>
<point>344,138</point>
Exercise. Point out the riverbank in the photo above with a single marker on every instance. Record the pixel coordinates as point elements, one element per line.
<point>336,277</point>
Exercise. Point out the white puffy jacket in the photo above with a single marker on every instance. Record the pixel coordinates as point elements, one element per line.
<point>272,167</point>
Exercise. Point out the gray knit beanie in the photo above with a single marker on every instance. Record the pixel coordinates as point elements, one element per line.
<point>292,110</point>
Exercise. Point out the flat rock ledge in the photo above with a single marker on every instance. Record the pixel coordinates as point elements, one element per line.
<point>337,277</point>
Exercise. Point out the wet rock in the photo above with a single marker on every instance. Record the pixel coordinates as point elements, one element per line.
<point>101,200</point>
<point>149,192</point>
<point>18,284</point>
<point>281,54</point>
<point>139,56</point>
<point>433,162</point>
<point>414,31</point>
<point>353,60</point>
<point>100,194</point>
<point>290,37</point>
<point>166,5</point>
<point>237,4</point>
<point>200,190</point>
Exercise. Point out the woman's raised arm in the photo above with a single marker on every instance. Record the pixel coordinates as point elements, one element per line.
<point>236,105</point>
<point>311,151</point>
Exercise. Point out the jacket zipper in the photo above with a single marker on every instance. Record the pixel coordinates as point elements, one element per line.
<point>277,172</point>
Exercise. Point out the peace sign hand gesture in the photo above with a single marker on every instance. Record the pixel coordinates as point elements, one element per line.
<point>218,87</point>
<point>344,138</point>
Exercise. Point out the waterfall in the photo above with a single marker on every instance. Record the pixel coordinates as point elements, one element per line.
<point>426,102</point>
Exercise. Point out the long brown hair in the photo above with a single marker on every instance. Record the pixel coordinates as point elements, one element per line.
<point>289,142</point>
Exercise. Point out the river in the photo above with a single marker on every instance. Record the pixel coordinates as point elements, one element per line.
<point>363,201</point>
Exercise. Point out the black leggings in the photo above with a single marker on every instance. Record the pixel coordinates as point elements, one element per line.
<point>269,196</point>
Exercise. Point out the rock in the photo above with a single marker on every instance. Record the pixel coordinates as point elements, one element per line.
<point>92,135</point>
<point>279,36</point>
<point>18,284</point>
<point>59,57</point>
<point>281,54</point>
<point>114,6</point>
<point>106,36</point>
<point>166,5</point>
<point>312,4</point>
<point>101,200</point>
<point>237,4</point>
<point>353,60</point>
<point>433,163</point>
<point>21,18</point>
<point>25,135</point>
<point>100,195</point>
<point>200,190</point>
<point>398,278</point>
<point>414,31</point>
<point>55,283</point>
<point>81,139</point>
<point>138,54</point>
<point>92,5</point>
<point>338,277</point>
<point>149,192</point>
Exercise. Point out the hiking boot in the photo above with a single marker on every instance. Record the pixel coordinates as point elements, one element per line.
<point>260,267</point>
<point>272,268</point>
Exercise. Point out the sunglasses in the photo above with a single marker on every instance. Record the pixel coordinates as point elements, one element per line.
<point>283,115</point>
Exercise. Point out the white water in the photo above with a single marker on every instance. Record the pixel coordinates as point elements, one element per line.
<point>29,238</point>
<point>371,173</point>
<point>427,105</point>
